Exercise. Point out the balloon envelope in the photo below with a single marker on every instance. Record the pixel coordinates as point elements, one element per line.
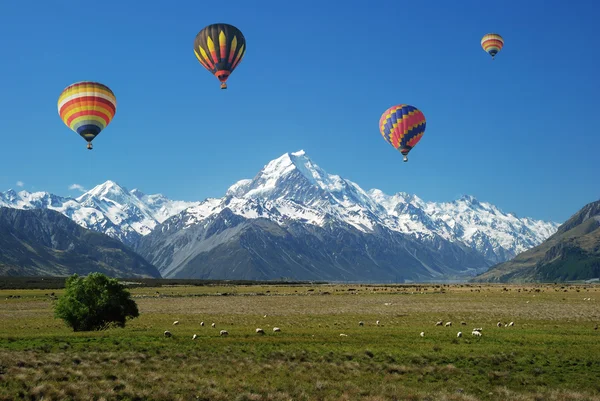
<point>87,108</point>
<point>220,49</point>
<point>402,126</point>
<point>492,43</point>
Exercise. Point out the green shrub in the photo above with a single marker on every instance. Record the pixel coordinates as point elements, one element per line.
<point>95,302</point>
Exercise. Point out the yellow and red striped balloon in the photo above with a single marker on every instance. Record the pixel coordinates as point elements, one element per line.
<point>87,108</point>
<point>492,43</point>
<point>402,126</point>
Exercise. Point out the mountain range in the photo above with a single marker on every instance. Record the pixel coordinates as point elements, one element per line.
<point>295,220</point>
<point>45,242</point>
<point>572,253</point>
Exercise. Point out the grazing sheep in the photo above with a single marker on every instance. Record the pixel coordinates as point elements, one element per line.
<point>275,329</point>
<point>223,333</point>
<point>201,323</point>
<point>463,323</point>
<point>377,323</point>
<point>439,323</point>
<point>213,325</point>
<point>459,334</point>
<point>476,333</point>
<point>511,324</point>
<point>343,335</point>
<point>499,324</point>
<point>361,323</point>
<point>422,334</point>
<point>194,337</point>
<point>168,333</point>
<point>478,329</point>
<point>260,331</point>
<point>596,326</point>
<point>448,324</point>
<point>176,322</point>
<point>265,316</point>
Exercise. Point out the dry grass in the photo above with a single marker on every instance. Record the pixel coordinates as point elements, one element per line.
<point>552,352</point>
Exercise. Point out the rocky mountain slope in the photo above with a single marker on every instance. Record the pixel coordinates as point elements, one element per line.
<point>306,212</point>
<point>572,253</point>
<point>107,208</point>
<point>45,242</point>
<point>294,219</point>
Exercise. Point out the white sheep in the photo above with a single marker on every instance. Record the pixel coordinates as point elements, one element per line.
<point>213,325</point>
<point>275,329</point>
<point>168,333</point>
<point>343,335</point>
<point>499,324</point>
<point>377,323</point>
<point>265,316</point>
<point>361,323</point>
<point>476,333</point>
<point>202,324</point>
<point>511,324</point>
<point>223,333</point>
<point>422,334</point>
<point>459,334</point>
<point>439,323</point>
<point>176,322</point>
<point>260,331</point>
<point>194,337</point>
<point>448,324</point>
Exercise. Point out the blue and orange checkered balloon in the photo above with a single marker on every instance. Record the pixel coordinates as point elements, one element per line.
<point>402,126</point>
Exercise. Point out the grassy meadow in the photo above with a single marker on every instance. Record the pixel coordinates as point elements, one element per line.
<point>551,353</point>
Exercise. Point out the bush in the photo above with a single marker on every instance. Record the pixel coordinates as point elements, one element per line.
<point>95,302</point>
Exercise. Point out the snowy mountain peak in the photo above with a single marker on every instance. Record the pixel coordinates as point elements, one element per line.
<point>291,172</point>
<point>239,188</point>
<point>107,208</point>
<point>107,190</point>
<point>469,199</point>
<point>137,193</point>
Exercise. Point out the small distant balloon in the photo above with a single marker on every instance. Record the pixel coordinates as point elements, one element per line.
<point>492,43</point>
<point>87,108</point>
<point>402,126</point>
<point>220,49</point>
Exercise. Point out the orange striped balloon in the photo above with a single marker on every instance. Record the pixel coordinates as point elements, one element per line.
<point>87,108</point>
<point>492,43</point>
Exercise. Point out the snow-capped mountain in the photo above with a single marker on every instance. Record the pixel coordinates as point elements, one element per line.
<point>295,219</point>
<point>107,208</point>
<point>306,203</point>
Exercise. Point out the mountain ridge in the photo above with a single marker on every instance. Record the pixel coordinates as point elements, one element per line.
<point>45,242</point>
<point>294,189</point>
<point>571,253</point>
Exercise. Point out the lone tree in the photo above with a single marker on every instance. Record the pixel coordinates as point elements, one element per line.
<point>95,302</point>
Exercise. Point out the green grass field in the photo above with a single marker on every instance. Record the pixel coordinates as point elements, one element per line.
<point>551,353</point>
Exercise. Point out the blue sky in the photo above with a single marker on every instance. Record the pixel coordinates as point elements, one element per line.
<point>520,132</point>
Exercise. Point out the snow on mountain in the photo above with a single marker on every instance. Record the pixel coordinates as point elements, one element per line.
<point>107,208</point>
<point>294,188</point>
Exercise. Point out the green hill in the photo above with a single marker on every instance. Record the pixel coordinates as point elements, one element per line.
<point>572,253</point>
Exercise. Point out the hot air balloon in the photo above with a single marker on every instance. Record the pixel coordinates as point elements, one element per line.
<point>87,108</point>
<point>492,43</point>
<point>220,48</point>
<point>402,126</point>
